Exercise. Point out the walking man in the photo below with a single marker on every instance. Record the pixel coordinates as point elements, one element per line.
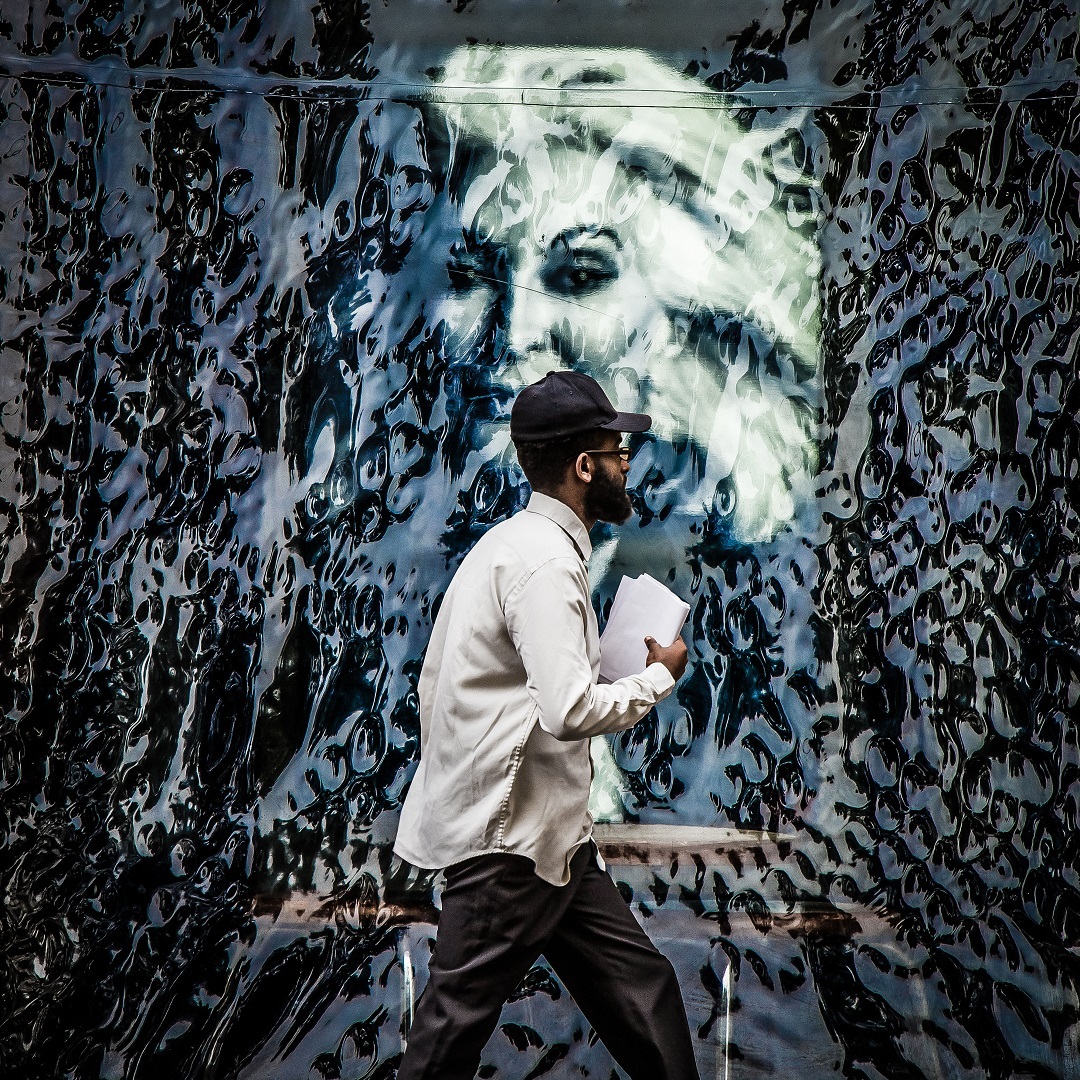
<point>508,702</point>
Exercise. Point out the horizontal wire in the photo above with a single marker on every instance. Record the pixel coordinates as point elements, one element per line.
<point>378,89</point>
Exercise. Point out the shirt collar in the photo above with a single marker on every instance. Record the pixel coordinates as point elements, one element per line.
<point>565,518</point>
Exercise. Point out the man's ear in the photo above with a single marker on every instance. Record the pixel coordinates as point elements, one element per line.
<point>583,468</point>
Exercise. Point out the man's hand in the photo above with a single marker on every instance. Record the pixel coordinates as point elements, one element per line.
<point>673,657</point>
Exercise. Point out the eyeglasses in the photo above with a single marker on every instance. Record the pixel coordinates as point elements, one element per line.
<point>625,452</point>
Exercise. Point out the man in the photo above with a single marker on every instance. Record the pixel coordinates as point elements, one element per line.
<point>508,702</point>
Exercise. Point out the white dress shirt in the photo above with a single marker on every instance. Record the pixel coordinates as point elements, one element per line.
<point>509,701</point>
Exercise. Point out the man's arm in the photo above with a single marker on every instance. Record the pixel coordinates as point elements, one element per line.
<point>546,618</point>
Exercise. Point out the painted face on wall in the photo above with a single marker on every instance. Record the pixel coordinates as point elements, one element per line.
<point>658,248</point>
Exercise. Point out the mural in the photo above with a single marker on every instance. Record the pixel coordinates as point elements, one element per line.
<point>271,277</point>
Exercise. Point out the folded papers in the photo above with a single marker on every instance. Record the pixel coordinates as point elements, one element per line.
<point>642,607</point>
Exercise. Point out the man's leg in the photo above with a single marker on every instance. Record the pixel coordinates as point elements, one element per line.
<point>625,987</point>
<point>496,916</point>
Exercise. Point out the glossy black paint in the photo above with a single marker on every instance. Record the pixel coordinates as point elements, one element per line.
<point>240,459</point>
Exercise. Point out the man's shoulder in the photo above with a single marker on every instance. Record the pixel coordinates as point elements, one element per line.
<point>523,541</point>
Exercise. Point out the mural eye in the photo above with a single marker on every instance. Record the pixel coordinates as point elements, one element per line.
<point>466,274</point>
<point>580,276</point>
<point>462,276</point>
<point>472,267</point>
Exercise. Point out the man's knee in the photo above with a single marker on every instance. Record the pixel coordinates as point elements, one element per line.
<point>665,975</point>
<point>653,980</point>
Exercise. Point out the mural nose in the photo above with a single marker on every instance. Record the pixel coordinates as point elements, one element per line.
<point>534,338</point>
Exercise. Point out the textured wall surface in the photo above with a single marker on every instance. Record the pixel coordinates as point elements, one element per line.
<point>270,276</point>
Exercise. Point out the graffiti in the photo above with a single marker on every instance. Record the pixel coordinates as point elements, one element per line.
<point>269,285</point>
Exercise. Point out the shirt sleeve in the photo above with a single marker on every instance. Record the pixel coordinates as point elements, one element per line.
<point>546,618</point>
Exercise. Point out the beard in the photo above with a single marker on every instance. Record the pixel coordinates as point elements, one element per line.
<point>606,498</point>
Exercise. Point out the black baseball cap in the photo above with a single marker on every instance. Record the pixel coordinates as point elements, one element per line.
<point>565,403</point>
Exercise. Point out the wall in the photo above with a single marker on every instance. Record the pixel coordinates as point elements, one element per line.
<point>271,275</point>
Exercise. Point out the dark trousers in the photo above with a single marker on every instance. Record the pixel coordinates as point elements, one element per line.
<point>497,918</point>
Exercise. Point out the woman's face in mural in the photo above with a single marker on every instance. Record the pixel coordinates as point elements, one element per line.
<point>561,249</point>
<point>568,274</point>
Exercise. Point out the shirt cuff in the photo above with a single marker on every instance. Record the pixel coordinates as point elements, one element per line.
<point>661,679</point>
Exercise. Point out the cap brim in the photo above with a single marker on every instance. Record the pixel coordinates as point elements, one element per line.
<point>629,421</point>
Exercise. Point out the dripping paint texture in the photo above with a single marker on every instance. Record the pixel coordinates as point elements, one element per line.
<point>270,283</point>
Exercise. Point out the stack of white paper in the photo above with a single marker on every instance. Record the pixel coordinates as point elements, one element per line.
<point>642,607</point>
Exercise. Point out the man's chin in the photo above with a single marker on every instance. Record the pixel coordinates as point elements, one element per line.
<point>615,514</point>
